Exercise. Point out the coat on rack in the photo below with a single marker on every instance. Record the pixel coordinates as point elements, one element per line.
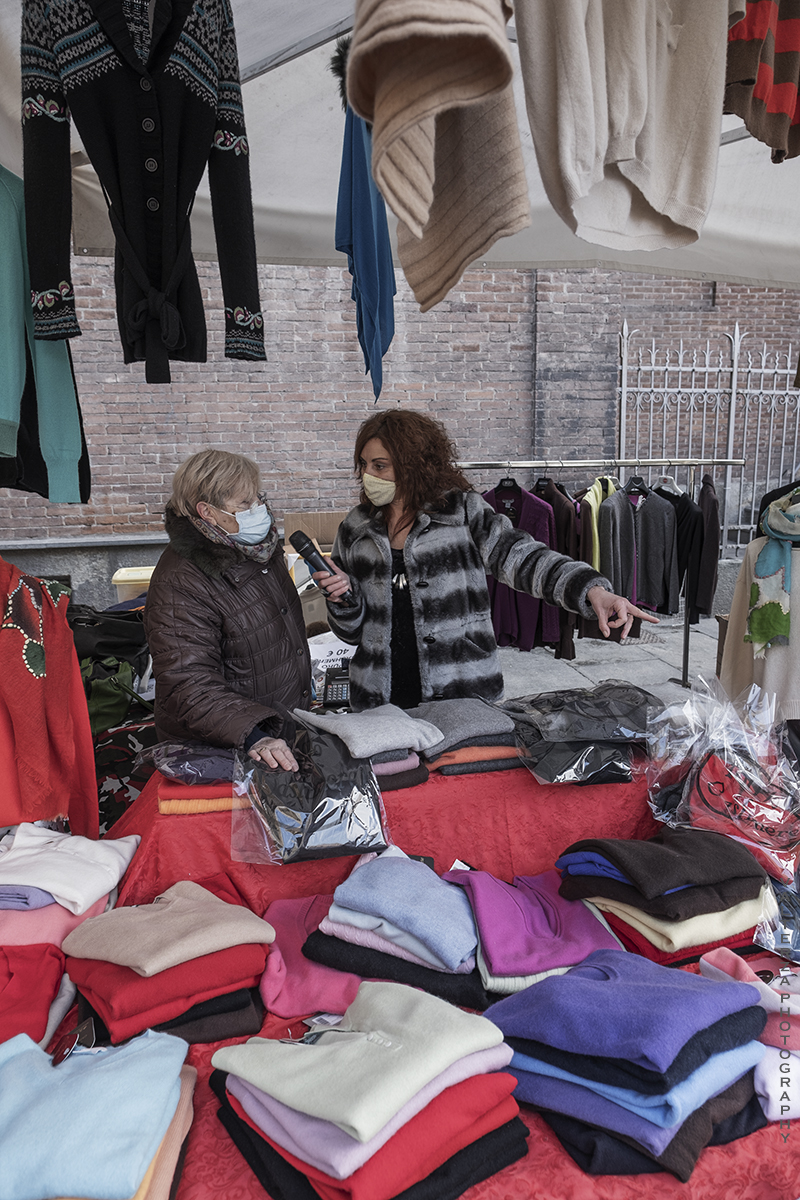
<point>150,117</point>
<point>638,550</point>
<point>689,531</point>
<point>709,560</point>
<point>518,619</point>
<point>566,526</point>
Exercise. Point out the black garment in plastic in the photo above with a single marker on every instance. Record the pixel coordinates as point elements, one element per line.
<point>614,711</point>
<point>191,762</point>
<point>330,806</point>
<point>584,735</point>
<point>577,762</point>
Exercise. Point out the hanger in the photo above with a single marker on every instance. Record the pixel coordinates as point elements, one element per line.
<point>508,484</point>
<point>635,486</point>
<point>667,484</point>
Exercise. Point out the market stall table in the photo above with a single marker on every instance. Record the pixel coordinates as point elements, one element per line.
<point>503,822</point>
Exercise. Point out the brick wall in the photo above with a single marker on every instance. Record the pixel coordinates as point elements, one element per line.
<point>468,362</point>
<point>579,315</point>
<point>517,364</point>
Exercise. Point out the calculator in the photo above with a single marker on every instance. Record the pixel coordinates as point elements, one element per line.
<point>336,689</point>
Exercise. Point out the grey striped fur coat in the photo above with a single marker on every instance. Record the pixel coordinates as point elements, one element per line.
<point>447,555</point>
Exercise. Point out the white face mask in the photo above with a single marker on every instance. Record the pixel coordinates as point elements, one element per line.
<point>379,491</point>
<point>254,524</point>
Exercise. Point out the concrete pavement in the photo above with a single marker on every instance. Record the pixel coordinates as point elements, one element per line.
<point>653,661</point>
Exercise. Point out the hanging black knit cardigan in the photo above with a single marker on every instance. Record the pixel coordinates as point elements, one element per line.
<point>150,118</point>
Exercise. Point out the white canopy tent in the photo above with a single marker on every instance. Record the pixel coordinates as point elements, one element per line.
<point>295,124</point>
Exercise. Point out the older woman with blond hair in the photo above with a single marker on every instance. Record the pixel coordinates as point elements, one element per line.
<point>223,620</point>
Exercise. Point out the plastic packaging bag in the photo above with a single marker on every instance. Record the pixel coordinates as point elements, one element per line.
<point>331,806</point>
<point>584,735</point>
<point>190,762</point>
<point>575,762</point>
<point>716,765</point>
<point>779,927</point>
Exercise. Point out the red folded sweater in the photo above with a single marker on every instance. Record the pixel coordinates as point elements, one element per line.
<point>129,1003</point>
<point>454,1119</point>
<point>633,940</point>
<point>30,977</point>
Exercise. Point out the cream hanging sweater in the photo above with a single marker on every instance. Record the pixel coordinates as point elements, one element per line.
<point>624,100</point>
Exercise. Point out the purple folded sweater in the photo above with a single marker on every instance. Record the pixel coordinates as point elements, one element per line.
<point>619,1005</point>
<point>529,927</point>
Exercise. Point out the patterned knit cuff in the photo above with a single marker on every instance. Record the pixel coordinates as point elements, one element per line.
<point>54,313</point>
<point>244,334</point>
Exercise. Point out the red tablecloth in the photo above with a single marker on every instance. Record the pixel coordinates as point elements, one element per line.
<point>503,822</point>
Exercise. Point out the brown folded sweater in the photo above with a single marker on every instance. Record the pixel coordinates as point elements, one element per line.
<point>434,80</point>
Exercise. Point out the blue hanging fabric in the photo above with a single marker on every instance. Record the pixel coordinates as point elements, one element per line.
<point>362,233</point>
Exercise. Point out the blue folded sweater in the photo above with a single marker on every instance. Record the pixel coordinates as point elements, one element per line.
<point>674,1106</point>
<point>619,1005</point>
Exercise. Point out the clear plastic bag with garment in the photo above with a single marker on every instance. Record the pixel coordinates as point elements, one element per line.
<point>330,807</point>
<point>726,767</point>
<point>584,735</point>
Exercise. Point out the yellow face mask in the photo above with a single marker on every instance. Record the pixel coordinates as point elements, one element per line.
<point>379,491</point>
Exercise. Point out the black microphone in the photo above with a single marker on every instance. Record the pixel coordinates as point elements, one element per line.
<point>304,546</point>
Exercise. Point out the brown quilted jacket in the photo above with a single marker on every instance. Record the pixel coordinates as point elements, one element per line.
<point>227,639</point>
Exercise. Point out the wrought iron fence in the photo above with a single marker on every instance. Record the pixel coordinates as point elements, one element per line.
<point>725,402</point>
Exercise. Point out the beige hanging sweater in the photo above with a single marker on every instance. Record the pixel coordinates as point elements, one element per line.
<point>433,77</point>
<point>624,100</point>
<point>778,672</point>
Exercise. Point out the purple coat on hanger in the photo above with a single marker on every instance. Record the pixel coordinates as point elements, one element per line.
<point>516,616</point>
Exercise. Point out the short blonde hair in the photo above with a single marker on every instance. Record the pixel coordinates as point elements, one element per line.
<point>212,476</point>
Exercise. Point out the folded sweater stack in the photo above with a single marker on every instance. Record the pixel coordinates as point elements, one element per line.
<point>476,737</point>
<point>189,955</point>
<point>526,930</point>
<point>50,883</point>
<point>133,1102</point>
<point>407,1091</point>
<point>637,1050</point>
<point>391,738</point>
<point>394,918</point>
<point>670,898</point>
<point>777,1074</point>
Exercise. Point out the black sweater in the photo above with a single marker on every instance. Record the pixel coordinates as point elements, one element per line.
<point>149,125</point>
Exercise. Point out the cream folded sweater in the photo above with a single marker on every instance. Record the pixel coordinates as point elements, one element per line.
<point>392,1041</point>
<point>186,922</point>
<point>695,931</point>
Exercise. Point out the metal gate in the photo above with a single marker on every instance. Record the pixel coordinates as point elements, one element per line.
<point>728,402</point>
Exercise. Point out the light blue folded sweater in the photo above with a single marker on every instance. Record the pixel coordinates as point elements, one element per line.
<point>414,898</point>
<point>90,1126</point>
<point>674,1106</point>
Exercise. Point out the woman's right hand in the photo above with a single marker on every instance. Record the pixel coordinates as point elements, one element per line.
<point>273,752</point>
<point>335,582</point>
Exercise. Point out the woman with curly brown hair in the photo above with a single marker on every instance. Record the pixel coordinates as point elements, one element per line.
<point>415,553</point>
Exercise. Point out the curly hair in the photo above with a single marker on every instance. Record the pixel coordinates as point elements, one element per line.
<point>422,454</point>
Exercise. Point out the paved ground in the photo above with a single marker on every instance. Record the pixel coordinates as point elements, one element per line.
<point>653,662</point>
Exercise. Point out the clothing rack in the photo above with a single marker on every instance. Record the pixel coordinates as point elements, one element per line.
<point>611,464</point>
<point>599,464</point>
